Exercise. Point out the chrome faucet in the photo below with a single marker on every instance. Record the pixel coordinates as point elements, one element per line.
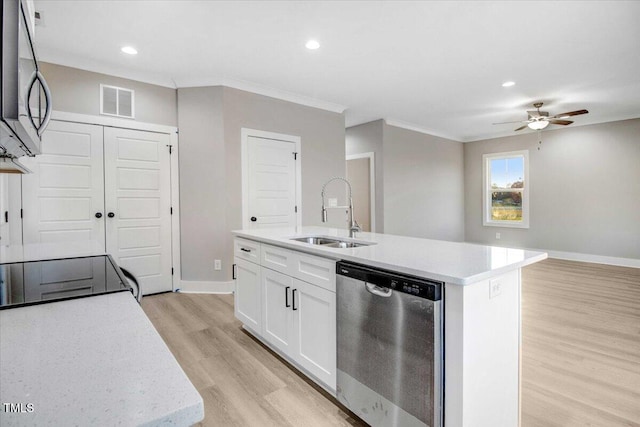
<point>353,224</point>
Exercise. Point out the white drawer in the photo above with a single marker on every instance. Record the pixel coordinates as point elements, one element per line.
<point>247,249</point>
<point>278,259</point>
<point>316,270</point>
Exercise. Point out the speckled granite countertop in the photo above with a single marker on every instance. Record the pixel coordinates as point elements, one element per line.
<point>91,361</point>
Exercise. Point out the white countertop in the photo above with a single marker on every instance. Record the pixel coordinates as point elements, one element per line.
<point>451,262</point>
<point>91,361</point>
<point>40,251</point>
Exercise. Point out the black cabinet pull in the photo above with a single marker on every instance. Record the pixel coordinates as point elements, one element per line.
<point>254,219</point>
<point>245,250</point>
<point>233,272</point>
<point>111,214</point>
<point>98,215</point>
<point>293,298</point>
<point>286,297</point>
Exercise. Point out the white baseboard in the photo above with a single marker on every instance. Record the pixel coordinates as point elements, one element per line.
<point>206,287</point>
<point>597,259</point>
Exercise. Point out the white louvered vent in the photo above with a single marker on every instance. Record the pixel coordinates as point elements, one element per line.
<point>116,101</point>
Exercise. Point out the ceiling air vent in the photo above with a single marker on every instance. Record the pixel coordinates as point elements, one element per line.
<point>116,101</point>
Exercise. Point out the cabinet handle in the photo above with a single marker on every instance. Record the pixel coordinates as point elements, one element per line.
<point>293,298</point>
<point>111,214</point>
<point>245,250</point>
<point>233,272</point>
<point>286,297</point>
<point>98,215</point>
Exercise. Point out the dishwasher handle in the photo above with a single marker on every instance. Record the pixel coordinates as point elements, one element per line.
<point>378,290</point>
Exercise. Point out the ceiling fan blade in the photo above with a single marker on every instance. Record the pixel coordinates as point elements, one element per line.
<point>560,122</point>
<point>520,128</point>
<point>533,113</point>
<point>517,121</point>
<point>570,113</point>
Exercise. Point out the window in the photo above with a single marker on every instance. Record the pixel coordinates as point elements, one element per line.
<point>505,200</point>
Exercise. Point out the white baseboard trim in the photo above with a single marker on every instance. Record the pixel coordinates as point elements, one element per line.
<point>206,287</point>
<point>596,259</point>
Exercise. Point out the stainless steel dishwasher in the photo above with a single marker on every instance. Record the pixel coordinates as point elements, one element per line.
<point>390,352</point>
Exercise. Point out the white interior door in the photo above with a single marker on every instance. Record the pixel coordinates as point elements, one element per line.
<point>271,186</point>
<point>138,205</point>
<point>64,196</point>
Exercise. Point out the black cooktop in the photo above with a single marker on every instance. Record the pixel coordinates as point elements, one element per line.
<point>37,282</point>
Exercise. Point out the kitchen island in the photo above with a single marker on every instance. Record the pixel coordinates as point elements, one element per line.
<point>481,308</point>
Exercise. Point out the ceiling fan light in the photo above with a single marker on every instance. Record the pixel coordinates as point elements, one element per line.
<point>538,124</point>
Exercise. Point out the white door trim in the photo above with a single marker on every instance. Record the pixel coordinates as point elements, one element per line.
<point>245,133</point>
<point>172,131</point>
<point>372,182</point>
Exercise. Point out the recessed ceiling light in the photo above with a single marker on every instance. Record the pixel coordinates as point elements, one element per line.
<point>130,50</point>
<point>312,44</point>
<point>508,84</point>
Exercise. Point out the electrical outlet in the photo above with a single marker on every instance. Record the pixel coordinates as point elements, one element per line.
<point>495,288</point>
<point>333,202</point>
<point>497,236</point>
<point>217,265</point>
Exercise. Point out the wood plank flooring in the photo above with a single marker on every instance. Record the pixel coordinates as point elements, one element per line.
<point>580,345</point>
<point>241,381</point>
<point>581,355</point>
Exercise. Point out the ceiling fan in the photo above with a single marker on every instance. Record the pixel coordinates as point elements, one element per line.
<point>539,120</point>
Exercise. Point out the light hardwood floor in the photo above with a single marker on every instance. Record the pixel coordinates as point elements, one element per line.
<point>581,345</point>
<point>581,355</point>
<point>242,382</point>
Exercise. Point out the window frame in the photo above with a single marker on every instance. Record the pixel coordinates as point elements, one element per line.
<point>487,190</point>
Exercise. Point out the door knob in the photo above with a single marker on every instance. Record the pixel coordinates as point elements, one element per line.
<point>111,214</point>
<point>98,214</point>
<point>254,219</point>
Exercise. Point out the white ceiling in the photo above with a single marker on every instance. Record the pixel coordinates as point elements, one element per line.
<point>432,66</point>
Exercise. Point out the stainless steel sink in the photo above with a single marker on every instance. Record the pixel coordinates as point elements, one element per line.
<point>329,242</point>
<point>316,240</point>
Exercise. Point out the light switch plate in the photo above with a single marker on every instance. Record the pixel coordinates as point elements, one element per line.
<point>333,202</point>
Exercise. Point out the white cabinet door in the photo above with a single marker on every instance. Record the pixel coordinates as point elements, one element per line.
<point>63,199</point>
<point>248,295</point>
<point>315,327</point>
<point>277,312</point>
<point>138,205</point>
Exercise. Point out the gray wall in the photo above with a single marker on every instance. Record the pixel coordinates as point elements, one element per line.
<point>202,182</point>
<point>423,185</point>
<point>203,148</point>
<point>419,180</point>
<point>368,138</point>
<point>78,91</point>
<point>585,190</point>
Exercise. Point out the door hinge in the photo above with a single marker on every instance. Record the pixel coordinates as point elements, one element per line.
<point>295,156</point>
<point>171,210</point>
<point>172,271</point>
<point>296,209</point>
<point>21,213</point>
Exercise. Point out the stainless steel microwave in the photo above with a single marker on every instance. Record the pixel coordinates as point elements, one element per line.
<point>25,108</point>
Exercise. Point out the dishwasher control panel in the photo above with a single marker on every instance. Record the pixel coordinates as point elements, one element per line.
<point>423,288</point>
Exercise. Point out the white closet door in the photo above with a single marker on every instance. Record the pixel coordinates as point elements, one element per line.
<point>64,193</point>
<point>272,183</point>
<point>138,203</point>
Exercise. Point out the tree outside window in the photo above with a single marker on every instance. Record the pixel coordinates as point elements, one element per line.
<point>506,189</point>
